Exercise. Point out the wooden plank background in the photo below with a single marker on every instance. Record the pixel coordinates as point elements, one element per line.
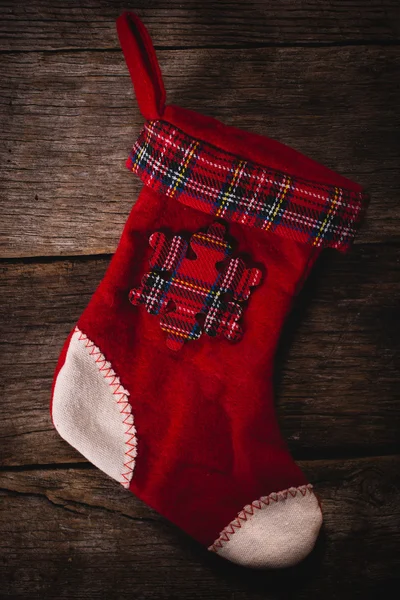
<point>320,76</point>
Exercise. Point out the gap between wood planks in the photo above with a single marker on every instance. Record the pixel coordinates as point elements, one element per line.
<point>66,185</point>
<point>47,259</point>
<point>331,457</point>
<point>336,380</point>
<point>93,490</point>
<point>79,535</point>
<point>244,46</point>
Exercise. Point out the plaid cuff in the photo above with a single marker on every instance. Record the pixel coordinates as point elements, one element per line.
<point>219,183</point>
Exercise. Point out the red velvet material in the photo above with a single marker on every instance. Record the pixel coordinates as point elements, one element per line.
<point>142,64</point>
<point>208,439</point>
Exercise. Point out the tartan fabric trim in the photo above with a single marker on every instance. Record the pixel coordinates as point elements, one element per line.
<point>179,288</point>
<point>219,183</point>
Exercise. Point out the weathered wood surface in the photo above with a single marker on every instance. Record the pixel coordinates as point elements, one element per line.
<point>81,25</point>
<point>337,386</point>
<point>320,76</point>
<point>76,534</point>
<point>69,121</point>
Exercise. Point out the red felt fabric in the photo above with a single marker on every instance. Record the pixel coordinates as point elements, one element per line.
<point>142,64</point>
<point>208,439</point>
<point>254,147</point>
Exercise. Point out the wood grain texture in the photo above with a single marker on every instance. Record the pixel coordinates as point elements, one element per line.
<point>320,76</point>
<point>68,129</point>
<point>45,25</point>
<point>77,534</point>
<point>337,377</point>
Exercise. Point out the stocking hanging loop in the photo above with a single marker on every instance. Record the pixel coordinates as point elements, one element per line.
<point>143,66</point>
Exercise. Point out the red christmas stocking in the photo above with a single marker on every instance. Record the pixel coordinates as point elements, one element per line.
<point>166,381</point>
